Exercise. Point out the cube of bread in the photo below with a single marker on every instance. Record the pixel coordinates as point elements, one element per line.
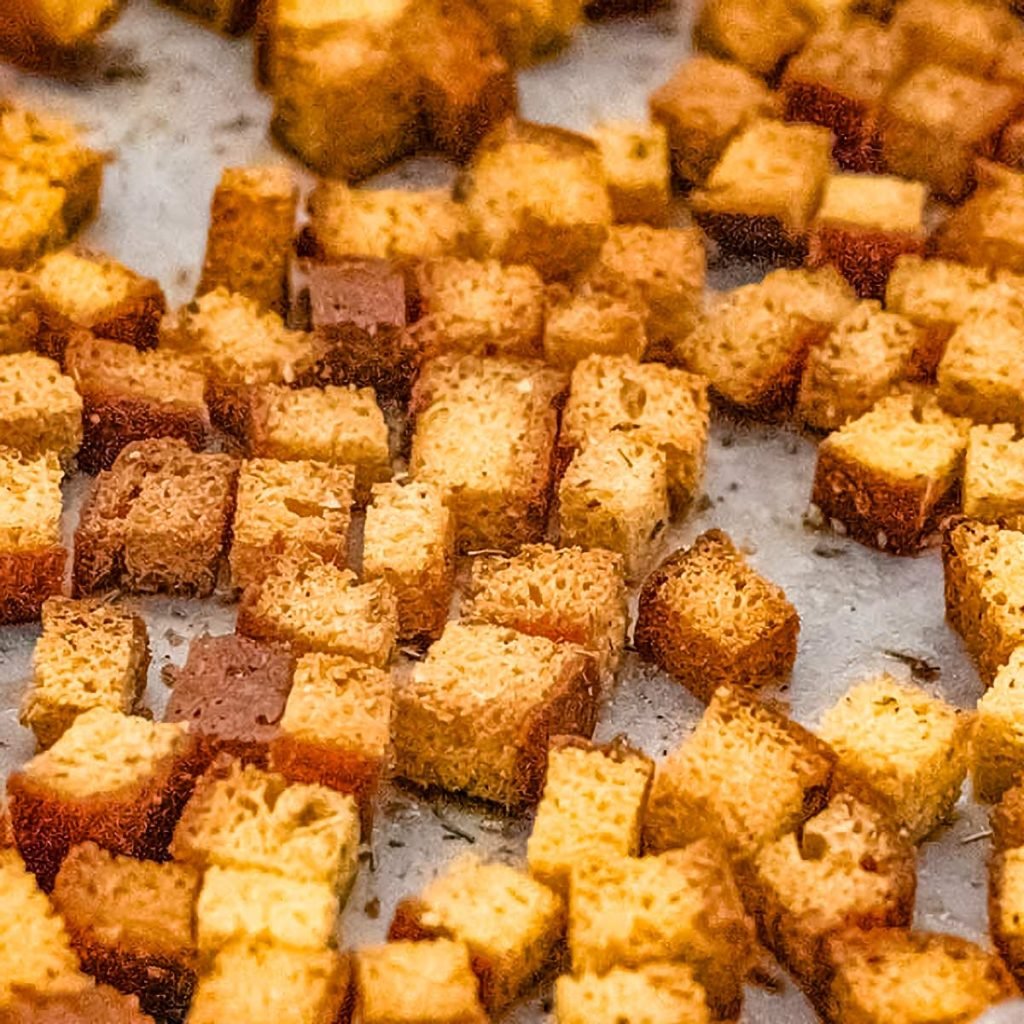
<point>892,974</point>
<point>997,740</point>
<point>116,779</point>
<point>509,922</point>
<point>888,476</point>
<point>593,322</point>
<point>840,80</point>
<point>650,402</point>
<point>91,654</point>
<point>231,17</point>
<point>498,488</point>
<point>131,395</point>
<point>681,905</point>
<point>636,167</point>
<point>1007,820</point>
<point>614,496</point>
<point>313,605</point>
<point>478,710</point>
<point>409,540</point>
<point>40,410</point>
<point>759,199</point>
<point>334,424</point>
<point>756,35</point>
<point>702,106</point>
<point>98,1004</point>
<point>32,556</point>
<point>993,488</point>
<point>265,983</point>
<point>157,520</point>
<point>31,215</point>
<point>938,121</point>
<point>568,595</point>
<point>305,502</point>
<point>78,290</point>
<point>983,231</point>
<point>709,619</point>
<point>864,224</point>
<point>747,773</point>
<point>130,921</point>
<point>39,34</point>
<point>536,194</point>
<point>863,359</point>
<point>417,983</point>
<point>653,994</point>
<point>336,727</point>
<point>252,221</point>
<point>19,312</point>
<point>531,29</point>
<point>849,866</point>
<point>592,808</point>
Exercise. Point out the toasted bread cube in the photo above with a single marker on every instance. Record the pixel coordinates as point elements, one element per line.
<point>592,808</point>
<point>31,215</point>
<point>747,773</point>
<point>993,487</point>
<point>36,32</point>
<point>157,520</point>
<point>650,402</point>
<point>498,488</point>
<point>409,540</point>
<point>938,121</point>
<point>983,231</point>
<point>839,80</point>
<point>131,923</point>
<point>509,922</point>
<point>653,994</point>
<point>477,712</point>
<point>593,322</point>
<point>316,606</point>
<point>265,984</point>
<point>305,502</point>
<point>614,496</point>
<point>335,730</point>
<point>709,619</point>
<point>702,106</point>
<point>79,290</point>
<point>480,307</point>
<point>907,745</point>
<point>864,224</point>
<point>847,867</point>
<point>1006,885</point>
<point>252,221</point>
<point>19,312</point>
<point>131,395</point>
<point>892,974</point>
<point>339,425</point>
<point>636,167</point>
<point>91,654</point>
<point>756,35</point>
<point>536,194</point>
<point>116,779</point>
<point>888,476</point>
<point>97,1004</point>
<point>759,199</point>
<point>417,983</point>
<point>531,29</point>
<point>32,556</point>
<point>997,741</point>
<point>40,410</point>
<point>679,905</point>
<point>865,357</point>
<point>568,595</point>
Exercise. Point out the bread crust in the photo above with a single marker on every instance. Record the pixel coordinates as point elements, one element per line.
<point>232,17</point>
<point>760,238</point>
<point>865,257</point>
<point>858,141</point>
<point>27,579</point>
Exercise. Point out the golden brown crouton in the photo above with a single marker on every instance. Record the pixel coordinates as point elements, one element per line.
<point>997,747</point>
<point>993,487</point>
<point>531,29</point>
<point>43,33</point>
<point>31,215</point>
<point>591,322</point>
<point>653,994</point>
<point>758,35</point>
<point>19,312</point>
<point>40,410</point>
<point>636,166</point>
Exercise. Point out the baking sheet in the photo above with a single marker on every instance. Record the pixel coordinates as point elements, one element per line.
<point>175,103</point>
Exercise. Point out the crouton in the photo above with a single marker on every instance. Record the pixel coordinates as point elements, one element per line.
<point>252,221</point>
<point>232,17</point>
<point>591,322</point>
<point>756,35</point>
<point>1007,820</point>
<point>409,540</point>
<point>888,476</point>
<point>306,503</point>
<point>509,922</point>
<point>536,194</point>
<point>993,488</point>
<point>31,215</point>
<point>1006,878</point>
<point>709,619</point>
<point>19,312</point>
<point>98,1004</point>
<point>40,410</point>
<point>118,780</point>
<point>592,808</point>
<point>759,199</point>
<point>313,605</point>
<point>43,34</point>
<point>702,106</point>
<point>531,29</point>
<point>32,556</point>
<point>91,654</point>
<point>130,921</point>
<point>997,741</point>
<point>128,395</point>
<point>652,994</point>
<point>477,712</point>
<point>747,773</point>
<point>636,167</point>
<point>157,520</point>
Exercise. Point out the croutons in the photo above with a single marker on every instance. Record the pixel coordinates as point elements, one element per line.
<point>993,487</point>
<point>709,619</point>
<point>477,712</point>
<point>531,29</point>
<point>31,215</point>
<point>757,35</point>
<point>997,747</point>
<point>593,322</point>
<point>36,32</point>
<point>40,410</point>
<point>657,993</point>
<point>97,1004</point>
<point>636,167</point>
<point>19,312</point>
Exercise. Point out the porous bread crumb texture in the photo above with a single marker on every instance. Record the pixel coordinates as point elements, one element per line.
<point>909,746</point>
<point>40,410</point>
<point>993,488</point>
<point>591,322</point>
<point>997,739</point>
<point>635,159</point>
<point>31,215</point>
<point>874,201</point>
<point>653,994</point>
<point>755,35</point>
<point>19,312</point>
